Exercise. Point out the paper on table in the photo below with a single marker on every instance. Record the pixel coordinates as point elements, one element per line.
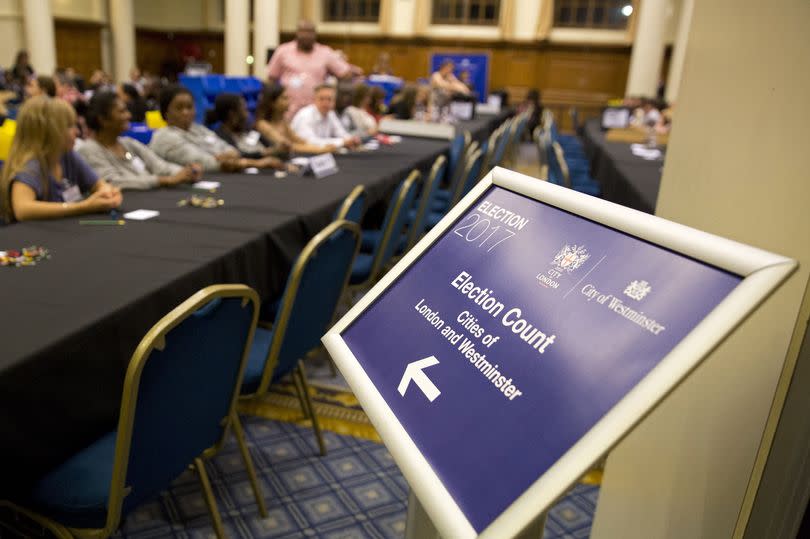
<point>206,185</point>
<point>251,170</point>
<point>642,151</point>
<point>141,215</point>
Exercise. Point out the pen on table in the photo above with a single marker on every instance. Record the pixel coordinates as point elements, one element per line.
<point>102,222</point>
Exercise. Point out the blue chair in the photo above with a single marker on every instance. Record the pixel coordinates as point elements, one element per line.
<point>368,266</point>
<point>503,143</point>
<point>470,176</point>
<point>489,150</point>
<point>559,173</point>
<point>312,293</point>
<point>177,406</point>
<point>455,165</point>
<point>139,131</point>
<point>353,207</point>
<point>418,217</point>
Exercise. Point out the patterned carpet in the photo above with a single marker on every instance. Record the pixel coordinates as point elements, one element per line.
<point>356,491</point>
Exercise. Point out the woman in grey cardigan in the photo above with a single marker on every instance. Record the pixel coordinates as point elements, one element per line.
<point>124,161</point>
<point>183,141</point>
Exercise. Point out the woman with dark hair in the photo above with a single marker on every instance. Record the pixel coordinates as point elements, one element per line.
<point>411,103</point>
<point>273,105</point>
<point>230,111</point>
<point>185,142</point>
<point>133,100</point>
<point>123,161</point>
<point>356,118</point>
<point>21,70</point>
<point>41,85</point>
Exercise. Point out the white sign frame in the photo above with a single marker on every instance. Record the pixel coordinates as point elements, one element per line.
<point>762,273</point>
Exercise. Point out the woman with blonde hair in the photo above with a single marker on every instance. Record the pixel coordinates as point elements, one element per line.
<point>43,177</point>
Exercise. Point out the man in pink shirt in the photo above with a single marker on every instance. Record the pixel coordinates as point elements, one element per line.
<point>302,64</point>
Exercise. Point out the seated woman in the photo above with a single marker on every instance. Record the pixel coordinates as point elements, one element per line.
<point>123,161</point>
<point>355,117</point>
<point>41,85</point>
<point>185,142</point>
<point>231,112</point>
<point>270,122</point>
<point>411,103</point>
<point>43,177</point>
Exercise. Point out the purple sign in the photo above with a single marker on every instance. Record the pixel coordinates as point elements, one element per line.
<point>516,332</point>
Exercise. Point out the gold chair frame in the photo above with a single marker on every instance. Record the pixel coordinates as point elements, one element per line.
<point>349,201</point>
<point>299,374</point>
<point>468,163</point>
<point>155,339</point>
<point>377,265</point>
<point>413,233</point>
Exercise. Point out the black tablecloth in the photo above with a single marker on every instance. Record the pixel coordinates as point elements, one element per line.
<point>70,324</point>
<point>625,179</point>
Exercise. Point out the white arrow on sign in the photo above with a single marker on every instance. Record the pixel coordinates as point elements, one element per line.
<point>414,371</point>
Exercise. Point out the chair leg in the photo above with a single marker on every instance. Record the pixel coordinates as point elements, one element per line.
<point>302,376</point>
<point>58,530</point>
<point>210,501</point>
<point>239,433</point>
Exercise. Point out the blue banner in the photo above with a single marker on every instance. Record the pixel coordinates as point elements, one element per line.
<point>475,65</point>
<point>516,332</point>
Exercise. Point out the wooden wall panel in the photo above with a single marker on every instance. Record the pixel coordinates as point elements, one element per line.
<point>571,75</point>
<point>162,52</point>
<point>78,45</point>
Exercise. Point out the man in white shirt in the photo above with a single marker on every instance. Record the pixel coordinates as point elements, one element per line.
<point>318,123</point>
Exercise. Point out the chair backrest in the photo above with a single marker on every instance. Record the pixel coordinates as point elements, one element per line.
<point>457,150</point>
<point>310,297</point>
<point>558,167</point>
<point>503,142</point>
<point>472,173</point>
<point>490,145</point>
<point>429,189</point>
<point>394,223</point>
<point>154,120</point>
<point>353,206</point>
<point>458,173</point>
<point>179,392</point>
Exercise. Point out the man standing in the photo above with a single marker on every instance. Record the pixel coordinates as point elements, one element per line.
<point>302,64</point>
<point>318,123</point>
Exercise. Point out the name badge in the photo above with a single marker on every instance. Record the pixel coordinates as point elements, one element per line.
<point>323,165</point>
<point>252,138</point>
<point>72,194</point>
<point>138,164</point>
<point>295,82</point>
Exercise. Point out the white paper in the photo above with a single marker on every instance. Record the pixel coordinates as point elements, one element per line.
<point>639,150</point>
<point>141,215</point>
<point>206,185</point>
<point>251,170</point>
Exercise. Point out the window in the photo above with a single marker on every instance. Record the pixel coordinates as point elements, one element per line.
<point>351,10</point>
<point>482,12</point>
<point>607,14</point>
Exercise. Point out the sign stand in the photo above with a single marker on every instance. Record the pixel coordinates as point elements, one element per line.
<point>525,336</point>
<point>419,526</point>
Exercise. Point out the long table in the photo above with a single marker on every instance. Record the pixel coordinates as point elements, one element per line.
<point>70,323</point>
<point>625,178</point>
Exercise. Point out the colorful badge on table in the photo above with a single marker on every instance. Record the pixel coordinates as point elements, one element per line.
<point>27,256</point>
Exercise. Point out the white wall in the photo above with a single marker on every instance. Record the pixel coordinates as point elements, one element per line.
<point>736,167</point>
<point>189,15</point>
<point>83,10</point>
<point>12,32</point>
<point>290,14</point>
